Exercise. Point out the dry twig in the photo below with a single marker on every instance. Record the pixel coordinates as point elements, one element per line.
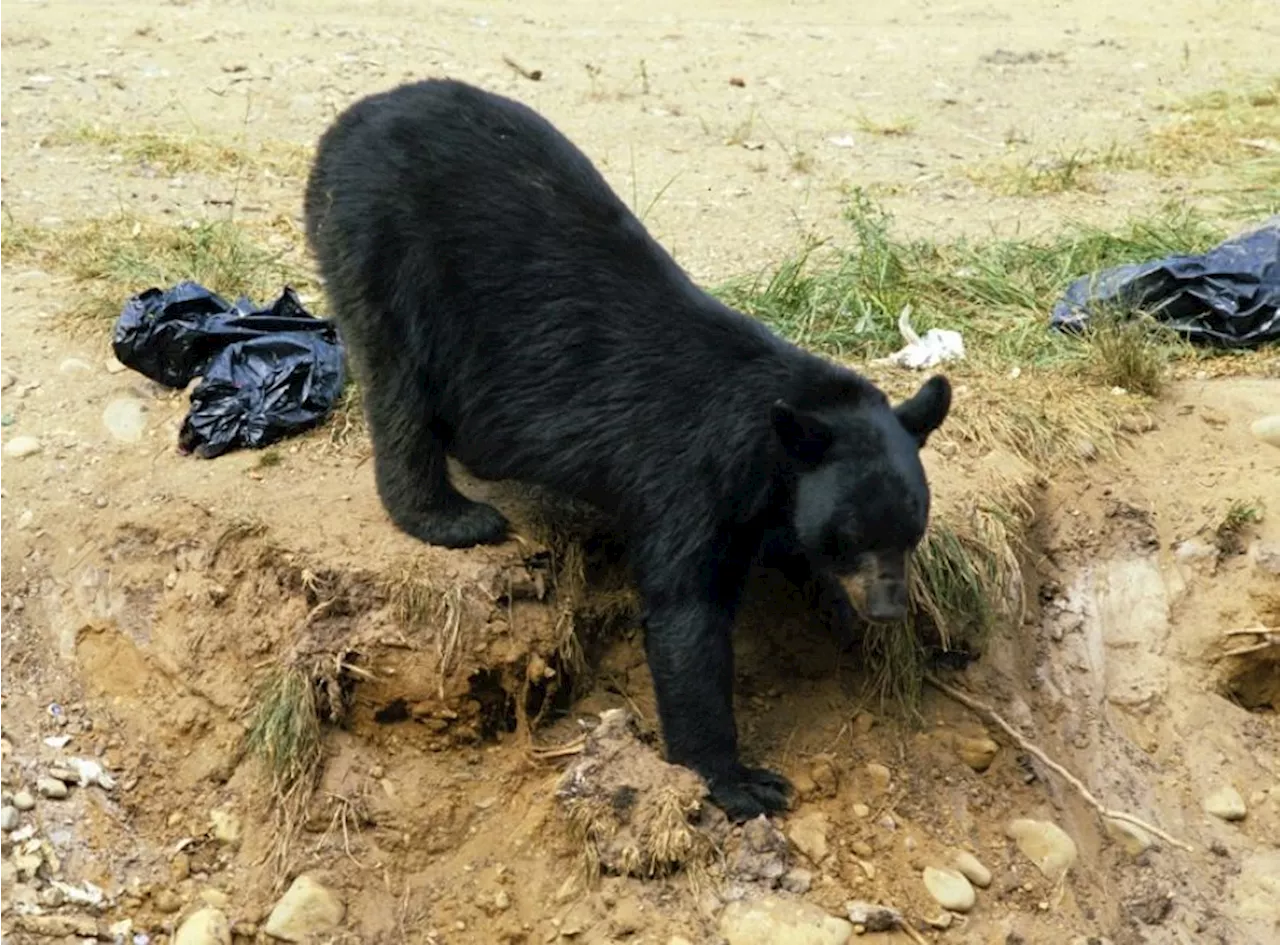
<point>1031,748</point>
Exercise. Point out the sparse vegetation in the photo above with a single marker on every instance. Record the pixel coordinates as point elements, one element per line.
<point>845,300</point>
<point>1240,514</point>
<point>897,127</point>
<point>187,154</point>
<point>284,730</point>
<point>1130,353</point>
<point>112,258</point>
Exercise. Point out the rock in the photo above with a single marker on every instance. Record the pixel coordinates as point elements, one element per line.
<point>214,898</point>
<point>870,917</point>
<point>59,926</point>
<point>825,777</point>
<point>880,777</point>
<point>9,818</point>
<point>226,826</point>
<point>23,800</point>
<point>1133,840</point>
<point>972,869</point>
<point>1226,803</point>
<point>113,366</point>
<point>501,900</point>
<point>862,848</point>
<point>1267,429</point>
<point>65,775</point>
<point>809,835</point>
<point>1086,450</point>
<point>205,926</point>
<point>679,940</point>
<point>949,888</point>
<point>977,753</point>
<point>21,446</point>
<point>74,366</point>
<point>861,811</point>
<point>1045,844</point>
<point>306,910</point>
<point>772,920</point>
<point>797,881</point>
<point>1193,549</point>
<point>1265,556</point>
<point>125,419</point>
<point>166,901</point>
<point>51,788</point>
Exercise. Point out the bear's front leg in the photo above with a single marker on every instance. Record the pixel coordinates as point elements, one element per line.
<point>688,641</point>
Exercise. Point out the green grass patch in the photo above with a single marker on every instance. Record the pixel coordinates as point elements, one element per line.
<point>845,300</point>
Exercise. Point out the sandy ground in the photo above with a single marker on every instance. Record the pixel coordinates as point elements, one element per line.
<point>134,624</point>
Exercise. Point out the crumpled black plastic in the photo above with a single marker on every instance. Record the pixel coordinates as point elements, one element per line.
<point>1228,297</point>
<point>265,373</point>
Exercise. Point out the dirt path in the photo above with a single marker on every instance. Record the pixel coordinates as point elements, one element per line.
<point>137,615</point>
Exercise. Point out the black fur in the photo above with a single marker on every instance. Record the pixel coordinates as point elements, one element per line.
<point>502,305</point>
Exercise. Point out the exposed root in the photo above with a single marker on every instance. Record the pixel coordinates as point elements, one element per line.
<point>1031,748</point>
<point>1270,638</point>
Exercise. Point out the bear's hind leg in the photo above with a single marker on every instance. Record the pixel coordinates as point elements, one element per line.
<point>411,469</point>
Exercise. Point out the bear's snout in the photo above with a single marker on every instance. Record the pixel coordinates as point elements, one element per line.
<point>887,600</point>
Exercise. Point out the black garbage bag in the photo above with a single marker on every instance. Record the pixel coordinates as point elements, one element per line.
<point>1228,297</point>
<point>265,373</point>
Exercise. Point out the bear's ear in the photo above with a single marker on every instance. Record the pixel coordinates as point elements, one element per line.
<point>924,412</point>
<point>802,435</point>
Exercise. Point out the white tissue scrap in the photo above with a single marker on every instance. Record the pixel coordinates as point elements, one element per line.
<point>936,347</point>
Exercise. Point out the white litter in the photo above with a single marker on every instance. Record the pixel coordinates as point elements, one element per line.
<point>842,141</point>
<point>938,346</point>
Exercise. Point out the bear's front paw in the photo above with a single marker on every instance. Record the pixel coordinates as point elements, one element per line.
<point>746,793</point>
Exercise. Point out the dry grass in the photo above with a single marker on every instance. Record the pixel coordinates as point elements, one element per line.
<point>172,154</point>
<point>111,259</point>
<point>1130,353</point>
<point>896,127</point>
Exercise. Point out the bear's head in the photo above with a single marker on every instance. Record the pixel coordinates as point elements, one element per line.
<point>861,501</point>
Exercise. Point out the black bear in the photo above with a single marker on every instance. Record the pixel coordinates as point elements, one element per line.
<point>503,306</point>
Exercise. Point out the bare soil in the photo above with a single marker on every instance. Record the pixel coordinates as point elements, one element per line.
<point>145,594</point>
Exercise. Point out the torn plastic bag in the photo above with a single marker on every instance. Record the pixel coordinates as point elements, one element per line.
<point>1228,297</point>
<point>265,373</point>
<point>256,392</point>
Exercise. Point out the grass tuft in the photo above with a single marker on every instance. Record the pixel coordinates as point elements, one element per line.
<point>1130,353</point>
<point>1240,514</point>
<point>284,731</point>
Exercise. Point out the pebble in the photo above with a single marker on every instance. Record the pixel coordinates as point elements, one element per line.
<point>9,818</point>
<point>972,868</point>
<point>880,776</point>
<point>166,901</point>
<point>949,888</point>
<point>21,446</point>
<point>1265,556</point>
<point>1226,803</point>
<point>809,835</point>
<point>23,800</point>
<point>1133,840</point>
<point>51,788</point>
<point>798,881</point>
<point>1045,844</point>
<point>73,366</point>
<point>773,920</point>
<point>1087,450</point>
<point>207,926</point>
<point>307,910</point>
<point>113,366</point>
<point>226,826</point>
<point>862,849</point>
<point>1267,429</point>
<point>977,753</point>
<point>861,811</point>
<point>125,419</point>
